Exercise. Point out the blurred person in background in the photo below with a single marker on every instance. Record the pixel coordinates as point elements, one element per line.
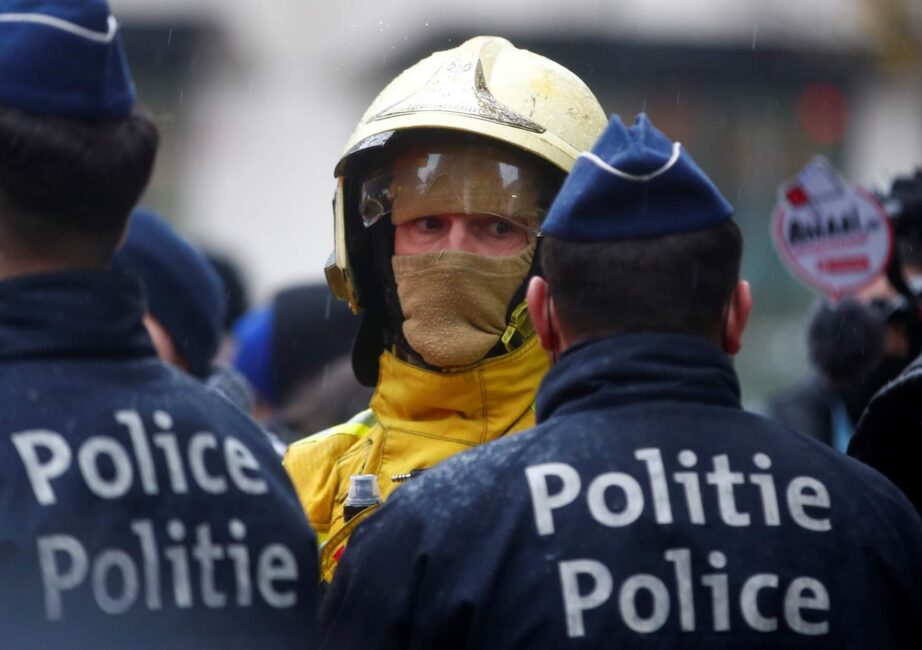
<point>889,435</point>
<point>440,197</point>
<point>295,354</point>
<point>858,344</point>
<point>647,509</point>
<point>855,347</point>
<point>186,303</point>
<point>235,287</point>
<point>136,509</point>
<point>237,294</point>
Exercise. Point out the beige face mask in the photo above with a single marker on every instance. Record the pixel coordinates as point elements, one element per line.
<point>454,303</point>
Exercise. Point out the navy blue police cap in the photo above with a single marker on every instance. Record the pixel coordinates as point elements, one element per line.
<point>184,292</point>
<point>634,184</point>
<point>64,58</point>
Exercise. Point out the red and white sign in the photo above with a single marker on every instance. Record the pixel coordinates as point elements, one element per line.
<point>832,236</point>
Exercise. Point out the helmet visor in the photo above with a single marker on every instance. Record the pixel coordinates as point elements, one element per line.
<point>460,178</point>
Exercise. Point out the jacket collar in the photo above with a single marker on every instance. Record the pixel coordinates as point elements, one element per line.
<point>473,406</point>
<point>635,368</point>
<point>72,314</point>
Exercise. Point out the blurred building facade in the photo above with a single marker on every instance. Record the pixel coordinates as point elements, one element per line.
<point>256,101</point>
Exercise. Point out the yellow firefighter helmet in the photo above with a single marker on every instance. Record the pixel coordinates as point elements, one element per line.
<point>485,87</point>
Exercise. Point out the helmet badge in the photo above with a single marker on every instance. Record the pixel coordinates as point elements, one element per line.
<point>441,94</point>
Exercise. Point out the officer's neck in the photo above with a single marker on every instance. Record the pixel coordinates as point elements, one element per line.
<point>565,341</point>
<point>14,264</point>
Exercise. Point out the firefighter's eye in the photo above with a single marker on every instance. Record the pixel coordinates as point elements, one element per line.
<point>429,224</point>
<point>500,228</point>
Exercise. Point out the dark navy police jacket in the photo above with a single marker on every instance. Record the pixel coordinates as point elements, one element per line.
<point>646,510</point>
<point>889,435</point>
<point>137,510</point>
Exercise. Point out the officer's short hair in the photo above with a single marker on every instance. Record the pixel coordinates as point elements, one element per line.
<point>67,186</point>
<point>677,283</point>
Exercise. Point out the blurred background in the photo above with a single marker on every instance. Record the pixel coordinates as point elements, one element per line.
<point>255,101</point>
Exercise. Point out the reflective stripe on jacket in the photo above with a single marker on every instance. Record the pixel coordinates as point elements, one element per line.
<point>418,418</point>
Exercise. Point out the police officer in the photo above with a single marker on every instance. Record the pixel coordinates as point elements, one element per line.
<point>647,508</point>
<point>185,296</point>
<point>440,195</point>
<point>888,436</point>
<point>136,509</point>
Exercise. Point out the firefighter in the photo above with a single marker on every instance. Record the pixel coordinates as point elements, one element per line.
<point>439,201</point>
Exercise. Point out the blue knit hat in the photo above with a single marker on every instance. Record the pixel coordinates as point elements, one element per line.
<point>253,358</point>
<point>184,293</point>
<point>634,184</point>
<point>63,58</point>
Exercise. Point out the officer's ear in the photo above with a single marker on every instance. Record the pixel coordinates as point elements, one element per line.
<point>122,237</point>
<point>543,315</point>
<point>737,317</point>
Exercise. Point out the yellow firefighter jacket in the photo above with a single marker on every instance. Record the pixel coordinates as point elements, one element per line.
<point>417,418</point>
